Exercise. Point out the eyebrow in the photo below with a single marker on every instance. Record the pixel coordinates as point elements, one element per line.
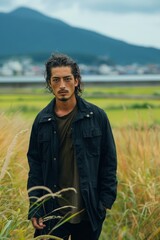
<point>63,76</point>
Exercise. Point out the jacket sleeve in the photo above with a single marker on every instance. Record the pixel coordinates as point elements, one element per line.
<point>108,165</point>
<point>35,175</point>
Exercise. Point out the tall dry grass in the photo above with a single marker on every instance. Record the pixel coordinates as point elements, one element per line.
<point>136,212</point>
<point>14,134</point>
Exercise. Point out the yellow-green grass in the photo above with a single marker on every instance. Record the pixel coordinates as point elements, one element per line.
<point>134,117</point>
<point>87,92</point>
<point>13,177</point>
<point>120,110</point>
<point>94,88</point>
<point>141,90</point>
<point>136,212</point>
<point>41,100</point>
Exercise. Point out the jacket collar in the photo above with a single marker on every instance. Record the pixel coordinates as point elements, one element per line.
<point>84,110</point>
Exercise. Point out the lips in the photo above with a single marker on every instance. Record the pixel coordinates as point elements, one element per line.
<point>63,92</point>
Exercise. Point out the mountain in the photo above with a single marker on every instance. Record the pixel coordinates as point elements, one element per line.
<point>26,32</point>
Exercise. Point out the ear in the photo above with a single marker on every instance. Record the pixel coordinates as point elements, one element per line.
<point>76,82</point>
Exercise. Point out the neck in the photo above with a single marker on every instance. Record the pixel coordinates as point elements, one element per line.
<point>64,107</point>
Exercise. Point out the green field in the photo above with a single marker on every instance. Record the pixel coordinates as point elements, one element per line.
<point>124,106</point>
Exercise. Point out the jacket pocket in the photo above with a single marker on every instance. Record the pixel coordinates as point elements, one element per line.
<point>93,206</point>
<point>92,141</point>
<point>44,148</point>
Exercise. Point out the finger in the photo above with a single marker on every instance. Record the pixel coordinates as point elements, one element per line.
<point>41,222</point>
<point>36,224</point>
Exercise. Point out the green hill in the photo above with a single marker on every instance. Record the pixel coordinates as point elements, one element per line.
<point>26,32</point>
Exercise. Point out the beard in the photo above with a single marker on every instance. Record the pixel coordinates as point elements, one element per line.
<point>63,99</point>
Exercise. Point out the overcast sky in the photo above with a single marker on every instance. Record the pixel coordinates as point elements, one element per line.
<point>134,21</point>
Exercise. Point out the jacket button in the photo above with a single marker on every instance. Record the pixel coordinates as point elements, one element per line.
<point>54,159</point>
<point>87,115</point>
<point>54,132</point>
<point>49,119</point>
<point>55,185</point>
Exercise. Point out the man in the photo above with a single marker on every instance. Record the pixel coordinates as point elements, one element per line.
<point>71,146</point>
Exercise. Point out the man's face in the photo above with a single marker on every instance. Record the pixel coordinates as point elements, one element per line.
<point>63,83</point>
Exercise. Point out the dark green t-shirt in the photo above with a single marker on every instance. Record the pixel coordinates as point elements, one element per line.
<point>67,168</point>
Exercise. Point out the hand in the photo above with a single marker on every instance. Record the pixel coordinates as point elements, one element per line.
<point>38,223</point>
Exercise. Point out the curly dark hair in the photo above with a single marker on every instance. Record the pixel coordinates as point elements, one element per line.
<point>62,60</point>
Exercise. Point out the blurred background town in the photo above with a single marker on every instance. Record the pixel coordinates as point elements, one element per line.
<point>27,67</point>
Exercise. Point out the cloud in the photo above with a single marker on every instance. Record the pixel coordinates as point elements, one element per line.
<point>114,6</point>
<point>135,28</point>
<point>124,6</point>
<point>7,5</point>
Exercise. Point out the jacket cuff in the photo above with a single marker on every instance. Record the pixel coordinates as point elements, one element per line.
<point>35,211</point>
<point>108,203</point>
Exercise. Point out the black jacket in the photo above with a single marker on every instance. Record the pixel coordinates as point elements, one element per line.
<point>95,154</point>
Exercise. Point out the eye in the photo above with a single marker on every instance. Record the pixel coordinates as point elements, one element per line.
<point>55,80</point>
<point>67,79</point>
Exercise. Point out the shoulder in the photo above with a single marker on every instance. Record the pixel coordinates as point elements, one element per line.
<point>99,112</point>
<point>47,111</point>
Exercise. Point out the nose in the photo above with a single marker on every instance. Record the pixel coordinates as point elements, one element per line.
<point>62,84</point>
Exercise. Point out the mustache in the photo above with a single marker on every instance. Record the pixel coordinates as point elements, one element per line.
<point>62,91</point>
